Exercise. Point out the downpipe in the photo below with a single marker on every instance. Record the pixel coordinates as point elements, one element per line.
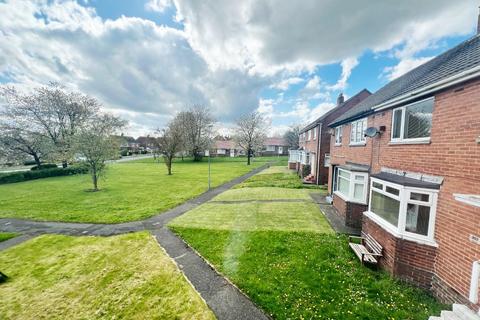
<point>474,284</point>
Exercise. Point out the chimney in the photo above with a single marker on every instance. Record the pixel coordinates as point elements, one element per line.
<point>340,99</point>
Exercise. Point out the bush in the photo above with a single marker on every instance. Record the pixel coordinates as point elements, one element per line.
<point>44,166</point>
<point>39,174</point>
<point>124,153</point>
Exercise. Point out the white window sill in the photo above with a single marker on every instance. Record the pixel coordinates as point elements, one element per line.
<point>394,231</point>
<point>401,142</point>
<point>338,144</point>
<point>357,144</point>
<point>344,198</point>
<point>471,199</point>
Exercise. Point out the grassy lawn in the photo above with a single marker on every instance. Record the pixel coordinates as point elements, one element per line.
<point>121,277</point>
<point>6,235</point>
<point>285,257</point>
<point>131,191</point>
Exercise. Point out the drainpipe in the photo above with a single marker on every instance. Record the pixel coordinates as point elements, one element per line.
<point>319,151</point>
<point>473,297</point>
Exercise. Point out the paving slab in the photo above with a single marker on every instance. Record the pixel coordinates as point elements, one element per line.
<point>333,218</point>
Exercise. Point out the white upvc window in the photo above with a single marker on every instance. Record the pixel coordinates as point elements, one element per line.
<point>326,160</point>
<point>270,148</point>
<point>351,185</point>
<point>221,151</point>
<point>314,133</point>
<point>309,135</point>
<point>338,135</point>
<point>406,212</point>
<point>357,132</point>
<point>413,122</point>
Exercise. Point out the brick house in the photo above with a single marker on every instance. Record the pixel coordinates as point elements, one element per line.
<point>315,141</point>
<point>413,183</point>
<point>225,148</point>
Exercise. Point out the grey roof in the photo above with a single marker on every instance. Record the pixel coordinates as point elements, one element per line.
<point>351,101</point>
<point>406,181</point>
<point>350,166</point>
<point>464,56</point>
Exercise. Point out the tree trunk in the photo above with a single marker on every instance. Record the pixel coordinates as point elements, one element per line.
<point>168,162</point>
<point>95,180</point>
<point>37,160</point>
<point>249,154</point>
<point>64,164</point>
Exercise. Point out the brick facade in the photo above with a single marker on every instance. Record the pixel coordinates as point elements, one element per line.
<point>350,212</point>
<point>454,154</point>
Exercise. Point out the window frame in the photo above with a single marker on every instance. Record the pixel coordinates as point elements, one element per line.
<point>404,198</point>
<point>351,187</point>
<point>401,139</point>
<point>314,134</point>
<point>363,139</point>
<point>338,135</point>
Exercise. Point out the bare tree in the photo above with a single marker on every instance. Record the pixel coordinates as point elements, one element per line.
<point>292,137</point>
<point>251,133</point>
<point>170,142</point>
<point>18,144</point>
<point>95,143</point>
<point>55,113</point>
<point>196,124</point>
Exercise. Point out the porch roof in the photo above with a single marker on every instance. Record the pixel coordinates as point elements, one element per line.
<point>405,181</point>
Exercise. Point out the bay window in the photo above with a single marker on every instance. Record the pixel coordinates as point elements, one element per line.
<point>413,123</point>
<point>404,211</point>
<point>351,185</point>
<point>357,133</point>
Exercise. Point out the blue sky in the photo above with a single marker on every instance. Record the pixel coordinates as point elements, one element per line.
<point>148,59</point>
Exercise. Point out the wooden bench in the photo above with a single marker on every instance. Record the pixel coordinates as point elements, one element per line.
<point>368,250</point>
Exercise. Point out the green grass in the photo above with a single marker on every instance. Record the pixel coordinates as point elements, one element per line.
<point>131,191</point>
<point>285,257</point>
<point>295,275</point>
<point>7,235</point>
<point>121,277</point>
<point>281,216</point>
<point>263,193</point>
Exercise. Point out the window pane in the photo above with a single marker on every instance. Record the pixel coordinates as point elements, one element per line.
<point>359,178</point>
<point>419,196</point>
<point>397,123</point>
<point>378,185</point>
<point>343,186</point>
<point>392,190</point>
<point>344,174</point>
<point>385,207</point>
<point>358,192</point>
<point>418,120</point>
<point>417,219</point>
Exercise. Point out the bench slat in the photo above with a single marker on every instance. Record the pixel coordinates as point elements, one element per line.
<point>369,249</point>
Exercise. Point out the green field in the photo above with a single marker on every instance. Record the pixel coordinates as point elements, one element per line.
<point>121,277</point>
<point>131,191</point>
<point>285,257</point>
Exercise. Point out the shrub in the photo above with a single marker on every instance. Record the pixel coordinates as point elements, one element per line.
<point>306,170</point>
<point>29,163</point>
<point>124,153</point>
<point>44,166</point>
<point>39,174</point>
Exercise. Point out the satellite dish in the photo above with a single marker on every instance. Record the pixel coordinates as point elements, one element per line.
<point>371,132</point>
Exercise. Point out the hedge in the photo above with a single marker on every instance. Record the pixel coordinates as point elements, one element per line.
<point>39,174</point>
<point>44,166</point>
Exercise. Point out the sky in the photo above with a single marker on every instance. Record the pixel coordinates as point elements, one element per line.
<point>146,60</point>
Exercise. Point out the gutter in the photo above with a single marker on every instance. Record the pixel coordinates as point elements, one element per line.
<point>442,84</point>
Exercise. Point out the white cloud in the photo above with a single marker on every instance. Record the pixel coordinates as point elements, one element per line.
<point>133,66</point>
<point>347,67</point>
<point>286,83</point>
<point>313,83</point>
<point>265,106</point>
<point>265,36</point>
<point>157,5</point>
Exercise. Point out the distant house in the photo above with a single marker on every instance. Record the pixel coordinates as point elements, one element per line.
<point>225,148</point>
<point>146,143</point>
<point>274,146</point>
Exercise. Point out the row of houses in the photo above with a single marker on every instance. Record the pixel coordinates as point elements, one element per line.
<point>402,165</point>
<point>225,147</point>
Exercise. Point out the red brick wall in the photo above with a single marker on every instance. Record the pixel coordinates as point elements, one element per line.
<point>350,212</point>
<point>406,260</point>
<point>453,154</point>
